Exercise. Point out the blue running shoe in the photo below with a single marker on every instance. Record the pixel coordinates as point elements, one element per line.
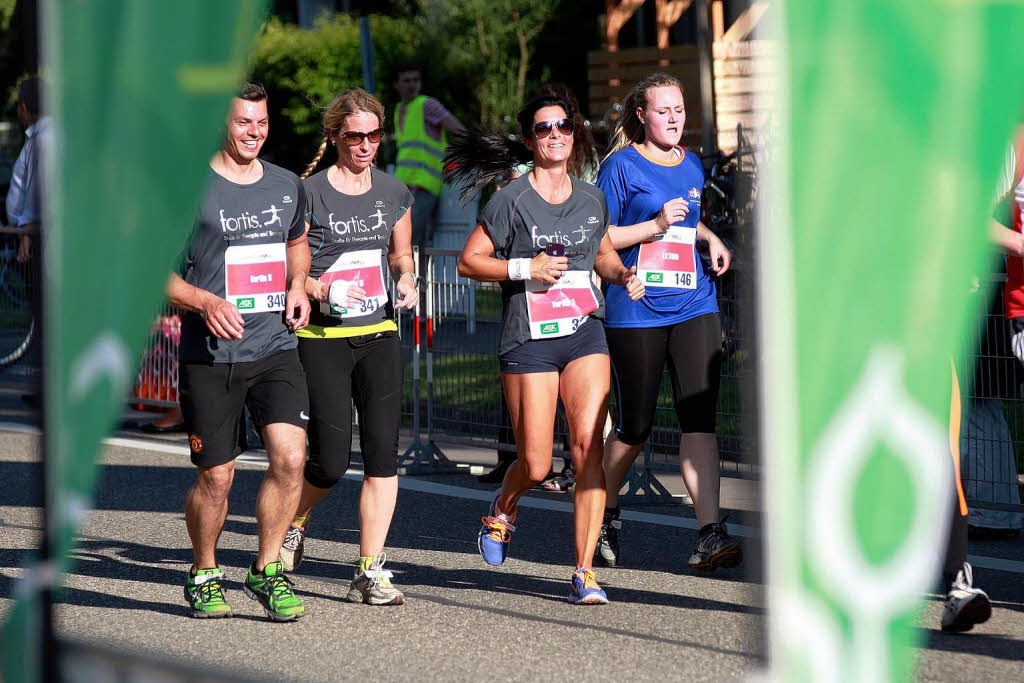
<point>495,534</point>
<point>585,590</point>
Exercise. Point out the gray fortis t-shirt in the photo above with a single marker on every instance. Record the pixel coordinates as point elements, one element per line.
<point>237,251</point>
<point>521,224</point>
<point>349,237</point>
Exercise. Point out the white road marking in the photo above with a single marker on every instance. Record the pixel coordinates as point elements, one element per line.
<point>423,486</point>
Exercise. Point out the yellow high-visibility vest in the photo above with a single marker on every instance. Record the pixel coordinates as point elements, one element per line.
<point>420,157</point>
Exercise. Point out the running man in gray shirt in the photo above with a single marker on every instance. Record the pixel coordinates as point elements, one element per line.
<point>243,296</point>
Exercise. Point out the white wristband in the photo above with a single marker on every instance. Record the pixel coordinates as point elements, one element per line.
<point>519,269</point>
<point>337,295</point>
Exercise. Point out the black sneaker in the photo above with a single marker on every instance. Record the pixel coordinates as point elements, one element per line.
<point>607,554</point>
<point>715,548</point>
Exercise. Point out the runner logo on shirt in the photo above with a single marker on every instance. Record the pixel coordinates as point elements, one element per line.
<point>252,221</point>
<point>694,193</point>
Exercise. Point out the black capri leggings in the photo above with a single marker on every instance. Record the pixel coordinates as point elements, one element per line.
<point>693,350</point>
<point>338,372</point>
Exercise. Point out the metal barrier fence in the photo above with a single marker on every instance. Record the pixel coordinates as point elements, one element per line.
<point>20,355</point>
<point>465,402</point>
<point>156,384</point>
<point>992,440</point>
<point>453,391</point>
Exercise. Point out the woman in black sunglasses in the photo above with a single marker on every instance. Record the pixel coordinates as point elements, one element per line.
<point>359,227</point>
<point>540,237</point>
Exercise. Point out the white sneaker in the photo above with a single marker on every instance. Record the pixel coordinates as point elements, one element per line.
<point>291,550</point>
<point>373,587</point>
<point>965,605</point>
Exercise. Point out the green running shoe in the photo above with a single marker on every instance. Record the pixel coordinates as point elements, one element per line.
<point>272,589</point>
<point>205,595</point>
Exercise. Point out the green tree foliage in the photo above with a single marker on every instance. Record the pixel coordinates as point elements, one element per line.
<point>477,56</point>
<point>302,71</point>
<point>499,36</point>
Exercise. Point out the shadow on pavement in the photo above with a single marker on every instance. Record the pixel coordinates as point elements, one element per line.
<point>988,645</point>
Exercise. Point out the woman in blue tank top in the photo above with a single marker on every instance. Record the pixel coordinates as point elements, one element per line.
<point>653,188</point>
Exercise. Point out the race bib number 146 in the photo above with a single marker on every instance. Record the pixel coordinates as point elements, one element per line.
<point>669,260</point>
<point>254,277</point>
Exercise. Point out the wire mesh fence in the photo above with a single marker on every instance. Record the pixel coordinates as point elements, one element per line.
<point>20,352</point>
<point>452,384</point>
<point>992,438</point>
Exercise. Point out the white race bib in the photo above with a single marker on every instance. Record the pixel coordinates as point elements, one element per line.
<point>669,260</point>
<point>254,277</point>
<point>558,310</point>
<point>358,269</point>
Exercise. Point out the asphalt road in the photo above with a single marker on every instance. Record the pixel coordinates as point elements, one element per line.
<point>463,621</point>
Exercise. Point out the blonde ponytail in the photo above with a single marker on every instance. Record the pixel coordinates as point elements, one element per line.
<point>316,159</point>
<point>629,128</point>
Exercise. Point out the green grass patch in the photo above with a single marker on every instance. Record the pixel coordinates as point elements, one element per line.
<point>470,384</point>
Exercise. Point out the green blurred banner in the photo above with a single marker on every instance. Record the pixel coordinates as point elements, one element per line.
<point>894,122</point>
<point>138,91</point>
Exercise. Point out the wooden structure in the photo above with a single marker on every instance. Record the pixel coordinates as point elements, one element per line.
<point>742,69</point>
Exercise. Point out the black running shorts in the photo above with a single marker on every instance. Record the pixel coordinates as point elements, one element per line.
<point>552,355</point>
<point>692,350</point>
<point>213,395</point>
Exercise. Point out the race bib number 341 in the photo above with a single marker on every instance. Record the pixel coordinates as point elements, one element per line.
<point>359,269</point>
<point>558,310</point>
<point>254,277</point>
<point>669,260</point>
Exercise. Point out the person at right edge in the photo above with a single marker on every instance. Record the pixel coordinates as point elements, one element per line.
<point>967,605</point>
<point>653,188</point>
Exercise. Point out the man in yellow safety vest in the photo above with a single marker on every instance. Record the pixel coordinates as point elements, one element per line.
<point>420,126</point>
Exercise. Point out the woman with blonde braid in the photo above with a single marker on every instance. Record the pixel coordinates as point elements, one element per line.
<point>653,188</point>
<point>359,224</point>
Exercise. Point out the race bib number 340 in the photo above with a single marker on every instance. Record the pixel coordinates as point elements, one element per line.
<point>359,269</point>
<point>558,310</point>
<point>254,277</point>
<point>669,260</point>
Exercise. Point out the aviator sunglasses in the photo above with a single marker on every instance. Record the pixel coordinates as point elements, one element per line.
<point>353,138</point>
<point>542,129</point>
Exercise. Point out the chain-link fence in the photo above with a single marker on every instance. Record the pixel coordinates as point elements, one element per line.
<point>20,352</point>
<point>992,439</point>
<point>453,391</point>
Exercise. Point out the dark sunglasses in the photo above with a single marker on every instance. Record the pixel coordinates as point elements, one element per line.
<point>354,137</point>
<point>542,129</point>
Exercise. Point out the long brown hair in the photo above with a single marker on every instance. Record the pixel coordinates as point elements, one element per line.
<point>348,102</point>
<point>477,157</point>
<point>629,128</point>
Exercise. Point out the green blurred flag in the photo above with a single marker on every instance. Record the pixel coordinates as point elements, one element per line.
<point>138,91</point>
<point>894,124</point>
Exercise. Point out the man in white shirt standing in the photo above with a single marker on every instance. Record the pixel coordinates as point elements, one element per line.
<point>24,199</point>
